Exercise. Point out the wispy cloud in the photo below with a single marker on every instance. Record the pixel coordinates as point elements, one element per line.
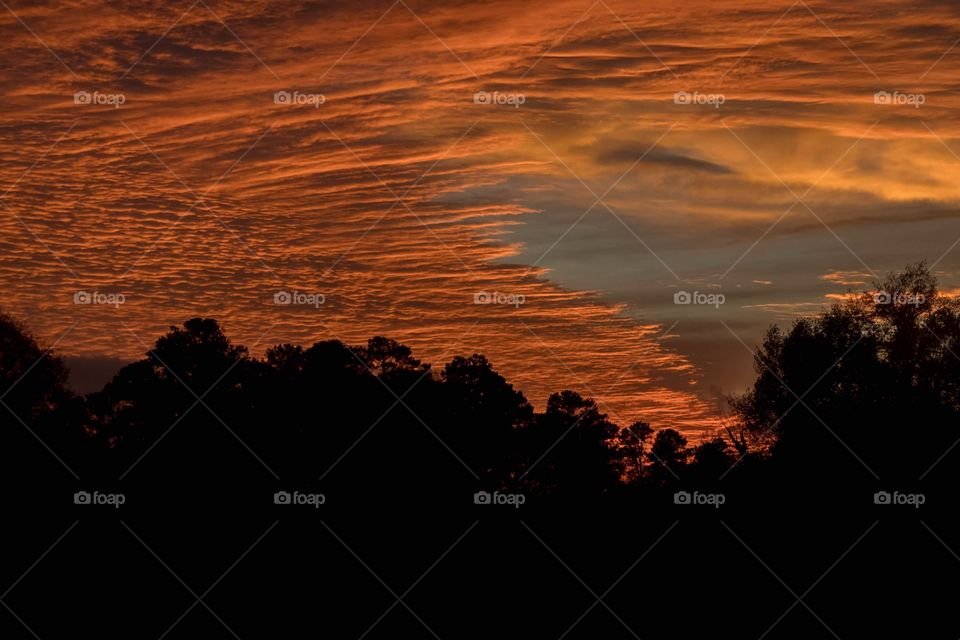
<point>400,194</point>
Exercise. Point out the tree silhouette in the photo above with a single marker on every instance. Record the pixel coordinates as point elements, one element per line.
<point>668,454</point>
<point>488,413</point>
<point>36,409</point>
<point>837,392</point>
<point>710,460</point>
<point>869,386</point>
<point>632,444</point>
<point>571,449</point>
<point>190,398</point>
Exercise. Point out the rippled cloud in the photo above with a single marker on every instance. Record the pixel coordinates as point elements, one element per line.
<point>404,160</point>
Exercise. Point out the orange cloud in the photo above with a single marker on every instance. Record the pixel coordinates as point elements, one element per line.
<point>399,197</point>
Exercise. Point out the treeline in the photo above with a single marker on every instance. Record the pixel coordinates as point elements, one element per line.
<point>869,389</point>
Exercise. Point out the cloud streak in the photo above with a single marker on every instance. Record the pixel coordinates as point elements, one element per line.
<point>399,197</point>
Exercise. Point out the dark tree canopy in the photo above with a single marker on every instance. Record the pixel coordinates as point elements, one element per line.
<point>37,411</point>
<point>869,386</point>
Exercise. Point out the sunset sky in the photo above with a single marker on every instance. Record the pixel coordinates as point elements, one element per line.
<point>147,153</point>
